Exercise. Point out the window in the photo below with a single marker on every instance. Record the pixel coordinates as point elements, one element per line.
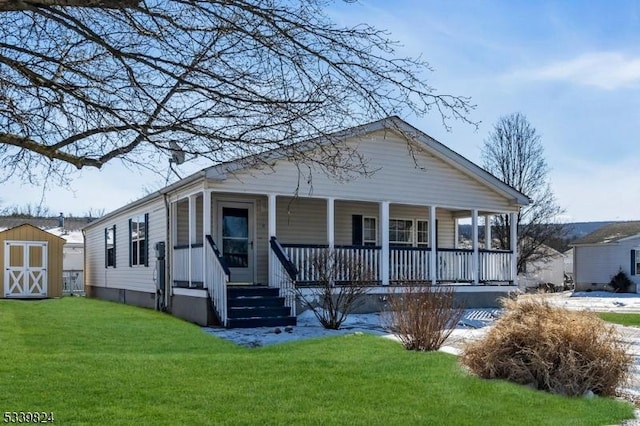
<point>401,232</point>
<point>635,262</point>
<point>369,231</point>
<point>110,247</point>
<point>423,233</point>
<point>138,251</point>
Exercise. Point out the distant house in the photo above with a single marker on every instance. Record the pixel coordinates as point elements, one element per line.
<point>599,256</point>
<point>551,270</point>
<point>246,231</point>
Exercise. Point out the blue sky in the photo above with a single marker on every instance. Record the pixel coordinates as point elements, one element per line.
<point>573,68</point>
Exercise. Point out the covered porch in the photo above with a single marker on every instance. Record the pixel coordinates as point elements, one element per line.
<point>221,239</point>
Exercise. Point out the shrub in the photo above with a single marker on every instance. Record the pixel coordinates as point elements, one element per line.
<point>342,281</point>
<point>552,349</point>
<point>620,282</point>
<point>423,317</point>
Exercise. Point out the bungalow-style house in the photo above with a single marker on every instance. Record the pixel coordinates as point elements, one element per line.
<point>229,243</point>
<point>598,256</point>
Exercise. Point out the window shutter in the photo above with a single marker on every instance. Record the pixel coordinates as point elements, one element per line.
<point>633,263</point>
<point>436,246</point>
<point>356,230</point>
<point>130,245</point>
<point>114,246</point>
<point>146,239</point>
<point>106,252</point>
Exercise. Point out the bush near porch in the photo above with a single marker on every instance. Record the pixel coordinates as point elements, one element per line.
<point>97,362</point>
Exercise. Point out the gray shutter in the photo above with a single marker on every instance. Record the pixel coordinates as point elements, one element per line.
<point>356,230</point>
<point>633,263</point>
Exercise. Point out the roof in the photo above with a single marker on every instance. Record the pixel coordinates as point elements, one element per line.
<point>71,232</point>
<point>31,226</point>
<point>220,171</point>
<point>611,233</point>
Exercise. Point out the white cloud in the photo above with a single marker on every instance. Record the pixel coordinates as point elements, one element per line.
<point>604,70</point>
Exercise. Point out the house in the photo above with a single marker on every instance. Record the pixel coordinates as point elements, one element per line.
<point>73,250</point>
<point>200,246</point>
<point>600,255</point>
<point>31,261</point>
<point>539,273</point>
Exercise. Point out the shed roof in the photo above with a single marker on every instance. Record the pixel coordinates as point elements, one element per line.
<point>48,235</point>
<point>611,233</point>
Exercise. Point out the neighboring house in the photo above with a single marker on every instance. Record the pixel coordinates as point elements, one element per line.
<point>599,256</point>
<point>192,245</point>
<point>73,251</point>
<point>31,262</point>
<point>551,270</point>
<point>568,265</point>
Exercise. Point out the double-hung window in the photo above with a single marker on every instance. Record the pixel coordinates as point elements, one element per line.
<point>401,232</point>
<point>422,231</point>
<point>369,231</point>
<point>110,247</point>
<point>138,240</point>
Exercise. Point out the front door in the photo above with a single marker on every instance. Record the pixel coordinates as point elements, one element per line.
<point>236,236</point>
<point>25,268</point>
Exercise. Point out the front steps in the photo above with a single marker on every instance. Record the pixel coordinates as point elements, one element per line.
<point>256,306</point>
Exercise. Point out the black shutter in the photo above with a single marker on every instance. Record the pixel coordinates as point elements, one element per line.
<point>356,230</point>
<point>436,246</point>
<point>633,263</point>
<point>106,250</point>
<point>146,239</point>
<point>114,246</point>
<point>130,244</point>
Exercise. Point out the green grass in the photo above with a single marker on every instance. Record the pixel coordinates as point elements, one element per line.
<point>623,319</point>
<point>95,362</point>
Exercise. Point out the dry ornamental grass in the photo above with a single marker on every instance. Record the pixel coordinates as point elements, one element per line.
<point>552,349</point>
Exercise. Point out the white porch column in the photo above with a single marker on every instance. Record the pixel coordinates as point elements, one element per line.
<point>433,273</point>
<point>192,233</point>
<point>513,241</point>
<point>331,237</point>
<point>206,230</point>
<point>456,233</point>
<point>487,232</point>
<point>475,264</point>
<point>271,200</point>
<point>384,242</point>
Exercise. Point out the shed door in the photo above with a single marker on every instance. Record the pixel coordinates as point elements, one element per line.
<point>25,272</point>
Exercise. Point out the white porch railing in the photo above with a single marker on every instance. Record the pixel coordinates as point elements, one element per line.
<point>308,259</point>
<point>181,263</point>
<point>216,281</point>
<point>284,275</point>
<point>409,264</point>
<point>197,259</point>
<point>454,265</point>
<point>495,265</point>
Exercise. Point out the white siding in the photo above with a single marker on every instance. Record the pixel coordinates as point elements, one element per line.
<point>395,177</point>
<point>597,264</point>
<point>138,278</point>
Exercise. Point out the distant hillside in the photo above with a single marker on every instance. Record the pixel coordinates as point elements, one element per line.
<point>575,230</point>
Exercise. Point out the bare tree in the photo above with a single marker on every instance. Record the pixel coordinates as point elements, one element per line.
<point>513,152</point>
<point>84,82</point>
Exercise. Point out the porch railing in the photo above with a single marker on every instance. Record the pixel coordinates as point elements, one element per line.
<point>411,264</point>
<point>454,265</point>
<point>181,263</point>
<point>197,259</point>
<point>495,265</point>
<point>285,273</point>
<point>216,281</point>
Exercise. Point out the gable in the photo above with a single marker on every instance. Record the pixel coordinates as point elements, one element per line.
<point>401,173</point>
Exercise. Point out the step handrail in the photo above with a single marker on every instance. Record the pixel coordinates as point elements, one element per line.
<point>217,277</point>
<point>282,256</point>
<point>218,256</point>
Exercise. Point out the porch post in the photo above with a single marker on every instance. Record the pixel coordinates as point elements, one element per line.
<point>384,240</point>
<point>433,273</point>
<point>331,241</point>
<point>192,233</point>
<point>456,233</point>
<point>206,230</point>
<point>513,240</point>
<point>487,232</point>
<point>475,264</point>
<point>272,233</point>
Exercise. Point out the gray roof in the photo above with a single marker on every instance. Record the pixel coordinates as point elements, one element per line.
<point>70,223</point>
<point>611,233</point>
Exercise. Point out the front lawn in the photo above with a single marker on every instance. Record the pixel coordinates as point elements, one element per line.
<point>96,362</point>
<point>623,319</point>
